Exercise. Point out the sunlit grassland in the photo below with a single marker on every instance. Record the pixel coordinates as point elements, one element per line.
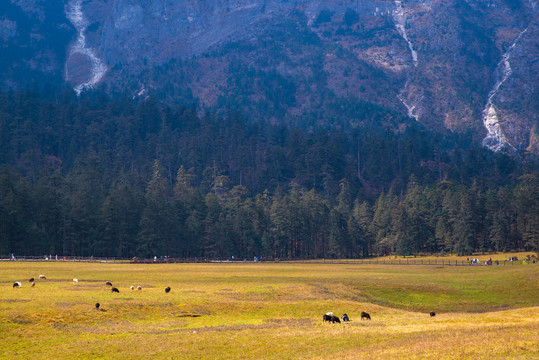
<point>268,311</point>
<point>463,258</point>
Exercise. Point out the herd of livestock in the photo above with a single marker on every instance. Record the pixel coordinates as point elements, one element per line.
<point>329,316</point>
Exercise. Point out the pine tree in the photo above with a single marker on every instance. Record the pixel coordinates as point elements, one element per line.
<point>156,227</point>
<point>527,205</point>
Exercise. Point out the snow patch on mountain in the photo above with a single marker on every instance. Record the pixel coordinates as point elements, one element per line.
<point>400,23</point>
<point>399,17</point>
<point>411,106</point>
<point>496,139</point>
<point>98,68</point>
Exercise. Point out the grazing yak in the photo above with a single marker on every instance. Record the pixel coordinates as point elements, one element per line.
<point>365,315</point>
<point>115,290</point>
<point>345,318</point>
<point>167,289</point>
<point>31,280</point>
<point>108,283</point>
<point>329,317</point>
<point>139,287</point>
<point>432,313</point>
<point>17,284</point>
<point>97,305</point>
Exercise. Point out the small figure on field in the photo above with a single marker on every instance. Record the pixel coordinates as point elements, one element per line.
<point>345,318</point>
<point>115,290</point>
<point>108,283</point>
<point>432,313</point>
<point>97,305</point>
<point>365,316</point>
<point>31,280</point>
<point>167,289</point>
<point>132,288</point>
<point>139,287</point>
<point>17,284</point>
<point>75,281</point>
<point>42,277</point>
<point>32,284</point>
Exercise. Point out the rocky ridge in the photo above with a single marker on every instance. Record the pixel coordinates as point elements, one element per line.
<point>457,64</point>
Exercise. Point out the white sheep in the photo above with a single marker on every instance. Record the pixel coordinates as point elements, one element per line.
<point>132,288</point>
<point>75,281</point>
<point>42,277</point>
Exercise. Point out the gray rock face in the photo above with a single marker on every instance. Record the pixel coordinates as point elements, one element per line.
<point>8,29</point>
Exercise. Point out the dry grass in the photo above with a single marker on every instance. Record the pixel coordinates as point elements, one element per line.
<point>270,311</point>
<point>480,256</point>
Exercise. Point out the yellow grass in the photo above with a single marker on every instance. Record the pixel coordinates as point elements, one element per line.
<point>268,311</point>
<point>480,256</point>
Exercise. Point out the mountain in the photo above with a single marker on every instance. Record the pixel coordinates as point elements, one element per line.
<point>452,65</point>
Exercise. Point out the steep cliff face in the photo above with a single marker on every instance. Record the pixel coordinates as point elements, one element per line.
<point>452,64</point>
<point>33,38</point>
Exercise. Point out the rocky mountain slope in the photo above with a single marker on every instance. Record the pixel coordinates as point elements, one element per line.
<point>454,64</point>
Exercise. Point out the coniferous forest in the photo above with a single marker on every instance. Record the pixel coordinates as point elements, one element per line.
<point>108,176</point>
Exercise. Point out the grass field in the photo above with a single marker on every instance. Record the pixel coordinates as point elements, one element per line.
<point>268,311</point>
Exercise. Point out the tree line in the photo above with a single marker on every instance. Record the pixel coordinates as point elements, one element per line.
<point>108,176</point>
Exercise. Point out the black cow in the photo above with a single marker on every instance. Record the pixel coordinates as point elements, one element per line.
<point>115,290</point>
<point>365,315</point>
<point>345,318</point>
<point>31,280</point>
<point>167,289</point>
<point>331,318</point>
<point>432,313</point>
<point>97,305</point>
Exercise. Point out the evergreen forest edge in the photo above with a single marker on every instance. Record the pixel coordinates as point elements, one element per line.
<point>107,176</point>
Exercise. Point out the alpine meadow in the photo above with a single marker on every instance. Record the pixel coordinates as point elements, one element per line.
<point>269,311</point>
